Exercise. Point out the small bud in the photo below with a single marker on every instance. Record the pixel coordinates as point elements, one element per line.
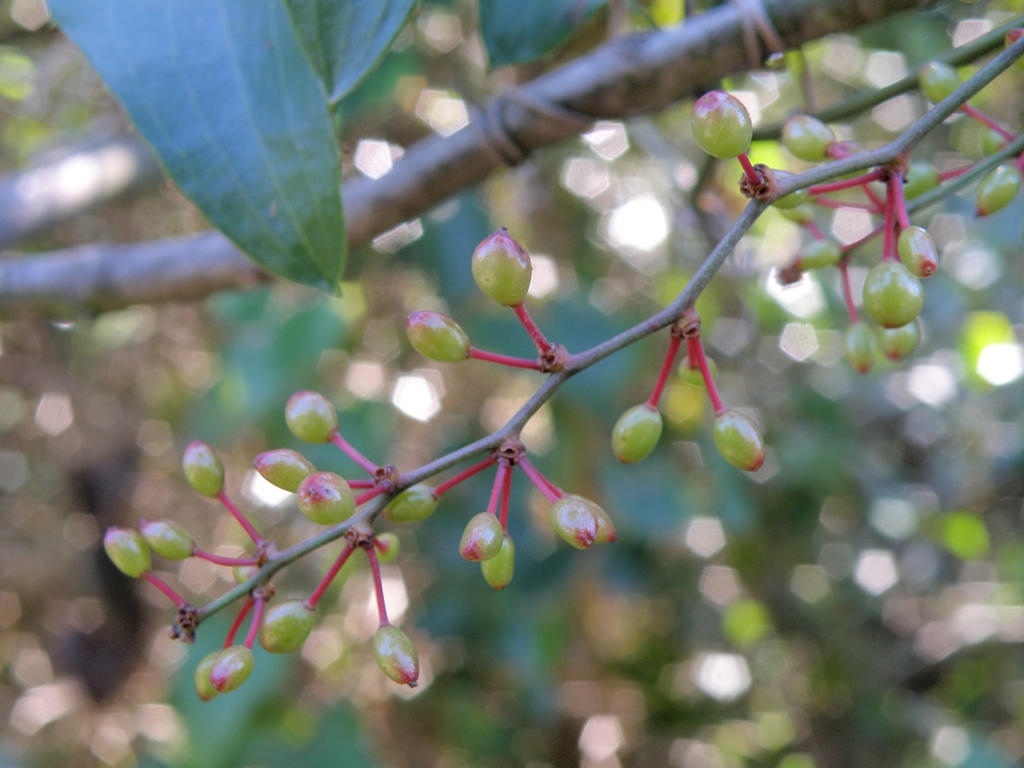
<point>498,570</point>
<point>997,188</point>
<point>230,668</point>
<point>482,538</point>
<point>311,417</point>
<point>325,498</point>
<point>413,504</point>
<point>284,468</point>
<point>127,550</point>
<point>203,469</point>
<point>574,520</point>
<point>437,337</point>
<point>396,655</point>
<point>387,547</point>
<point>938,80</point>
<point>166,538</point>
<point>721,125</point>
<point>900,343</point>
<point>859,347</point>
<point>204,687</point>
<point>917,251</point>
<point>738,440</point>
<point>636,433</point>
<point>286,626</point>
<point>807,138</point>
<point>502,269</point>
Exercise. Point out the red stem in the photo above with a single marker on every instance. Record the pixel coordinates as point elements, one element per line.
<point>815,230</point>
<point>246,607</point>
<point>506,491</point>
<point>222,559</point>
<point>888,228</point>
<point>352,453</point>
<point>325,582</point>
<point>851,308</point>
<point>361,483</point>
<point>499,481</point>
<point>899,201</point>
<point>830,203</point>
<point>952,173</point>
<point>377,490</point>
<point>550,490</point>
<point>378,586</point>
<point>856,181</point>
<point>543,345</point>
<point>857,243</point>
<point>879,205</point>
<point>164,587</point>
<point>987,121</point>
<point>257,619</point>
<point>696,351</point>
<point>464,475</point>
<point>512,362</point>
<point>249,528</point>
<point>666,369</point>
<point>748,168</point>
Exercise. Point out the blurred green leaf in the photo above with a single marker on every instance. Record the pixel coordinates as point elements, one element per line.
<point>746,621</point>
<point>515,31</point>
<point>223,93</point>
<point>965,535</point>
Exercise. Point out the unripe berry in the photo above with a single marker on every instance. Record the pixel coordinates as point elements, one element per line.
<point>892,296</point>
<point>230,668</point>
<point>311,417</point>
<point>437,337</point>
<point>917,251</point>
<point>738,440</point>
<point>242,573</point>
<point>991,142</point>
<point>606,532</point>
<point>286,626</point>
<point>203,469</point>
<point>938,80</point>
<point>203,685</point>
<point>636,433</point>
<point>502,269</point>
<point>899,343</point>
<point>997,188</point>
<point>920,178</point>
<point>793,199</point>
<point>396,655</point>
<point>388,546</point>
<point>807,138</point>
<point>690,373</point>
<point>820,253</point>
<point>859,347</point>
<point>166,538</point>
<point>802,214</point>
<point>498,570</point>
<point>284,468</point>
<point>482,538</point>
<point>325,498</point>
<point>127,550</point>
<point>575,521</point>
<point>413,504</point>
<point>721,125</point>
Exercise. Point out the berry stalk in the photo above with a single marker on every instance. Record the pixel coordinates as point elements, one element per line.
<point>895,184</point>
<point>242,520</point>
<point>506,491</point>
<point>550,490</point>
<point>378,585</point>
<point>987,121</point>
<point>856,181</point>
<point>512,362</point>
<point>352,453</point>
<point>464,475</point>
<point>377,490</point>
<point>229,640</point>
<point>888,230</point>
<point>325,582</point>
<point>164,587</point>
<point>666,369</point>
<point>499,482</point>
<point>851,308</point>
<point>695,349</point>
<point>538,338</point>
<point>748,169</point>
<point>257,620</point>
<point>231,562</point>
<point>830,203</point>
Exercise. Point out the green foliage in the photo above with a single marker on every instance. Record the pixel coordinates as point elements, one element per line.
<point>516,31</point>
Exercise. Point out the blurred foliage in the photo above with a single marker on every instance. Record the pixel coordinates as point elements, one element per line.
<point>858,601</point>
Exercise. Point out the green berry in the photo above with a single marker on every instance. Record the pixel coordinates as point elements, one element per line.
<point>991,142</point>
<point>721,125</point>
<point>738,440</point>
<point>482,538</point>
<point>437,337</point>
<point>286,626</point>
<point>917,251</point>
<point>127,550</point>
<point>166,538</point>
<point>396,655</point>
<point>574,520</point>
<point>920,178</point>
<point>242,573</point>
<point>802,214</point>
<point>284,468</point>
<point>636,433</point>
<point>502,269</point>
<point>606,532</point>
<point>498,570</point>
<point>413,504</point>
<point>204,687</point>
<point>230,668</point>
<point>899,343</point>
<point>997,188</point>
<point>819,253</point>
<point>793,199</point>
<point>387,547</point>
<point>690,373</point>
<point>325,498</point>
<point>311,417</point>
<point>938,80</point>
<point>859,347</point>
<point>807,138</point>
<point>203,469</point>
<point>892,296</point>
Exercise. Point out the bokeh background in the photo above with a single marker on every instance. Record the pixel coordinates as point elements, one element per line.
<point>858,601</point>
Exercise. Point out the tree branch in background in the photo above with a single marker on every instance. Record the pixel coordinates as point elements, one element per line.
<point>631,75</point>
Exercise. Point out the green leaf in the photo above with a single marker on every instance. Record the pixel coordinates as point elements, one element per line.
<point>225,96</point>
<point>345,39</point>
<point>515,31</point>
<point>965,535</point>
